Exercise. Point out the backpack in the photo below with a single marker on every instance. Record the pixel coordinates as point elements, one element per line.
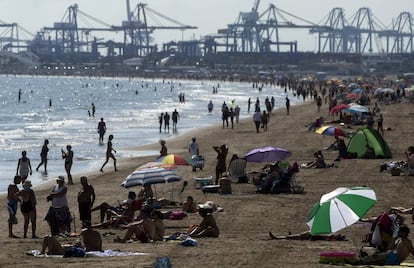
<point>162,262</point>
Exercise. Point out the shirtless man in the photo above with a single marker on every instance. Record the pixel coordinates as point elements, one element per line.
<point>12,202</point>
<point>401,249</point>
<point>145,229</point>
<point>189,206</point>
<point>86,198</point>
<point>207,227</point>
<point>68,156</point>
<point>101,130</point>
<point>92,241</point>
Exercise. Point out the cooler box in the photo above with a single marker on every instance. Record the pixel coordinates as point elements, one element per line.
<point>225,186</point>
<point>200,182</point>
<point>198,162</point>
<point>336,257</point>
<point>212,189</point>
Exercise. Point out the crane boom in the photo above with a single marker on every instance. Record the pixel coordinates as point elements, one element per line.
<point>256,5</point>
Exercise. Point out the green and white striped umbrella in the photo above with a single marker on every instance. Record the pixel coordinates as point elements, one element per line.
<point>339,209</point>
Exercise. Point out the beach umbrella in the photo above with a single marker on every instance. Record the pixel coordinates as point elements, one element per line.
<point>339,209</point>
<point>332,131</point>
<point>383,91</point>
<point>352,96</point>
<point>157,164</point>
<point>150,176</point>
<point>338,108</point>
<point>358,90</point>
<point>356,108</point>
<point>175,159</point>
<point>409,89</point>
<point>353,85</point>
<point>267,154</point>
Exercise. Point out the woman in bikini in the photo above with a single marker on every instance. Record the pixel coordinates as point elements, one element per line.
<point>28,207</point>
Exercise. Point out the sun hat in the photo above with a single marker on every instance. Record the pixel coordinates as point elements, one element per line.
<point>61,178</point>
<point>27,183</point>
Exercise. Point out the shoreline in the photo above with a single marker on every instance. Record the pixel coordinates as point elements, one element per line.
<point>125,161</point>
<point>126,142</point>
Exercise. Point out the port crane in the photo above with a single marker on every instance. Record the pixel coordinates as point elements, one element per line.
<point>138,28</point>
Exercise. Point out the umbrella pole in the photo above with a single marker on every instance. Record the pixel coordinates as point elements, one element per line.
<point>343,219</point>
<point>172,192</point>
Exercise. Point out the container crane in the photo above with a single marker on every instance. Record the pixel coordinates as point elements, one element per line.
<point>138,29</point>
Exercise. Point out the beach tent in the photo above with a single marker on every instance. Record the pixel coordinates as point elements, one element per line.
<point>373,138</point>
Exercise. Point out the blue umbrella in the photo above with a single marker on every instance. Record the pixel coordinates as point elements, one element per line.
<point>356,108</point>
<point>358,90</point>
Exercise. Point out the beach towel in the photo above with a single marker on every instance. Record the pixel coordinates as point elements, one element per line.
<point>105,253</point>
<point>113,253</point>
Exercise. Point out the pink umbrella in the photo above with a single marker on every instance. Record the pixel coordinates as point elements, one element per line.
<point>352,96</point>
<point>338,108</point>
<point>267,154</point>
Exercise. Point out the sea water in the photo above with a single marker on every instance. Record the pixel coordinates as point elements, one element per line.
<point>57,109</point>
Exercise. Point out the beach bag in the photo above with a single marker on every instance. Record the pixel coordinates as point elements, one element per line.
<point>74,252</point>
<point>376,239</point>
<point>243,179</point>
<point>162,262</point>
<point>176,215</point>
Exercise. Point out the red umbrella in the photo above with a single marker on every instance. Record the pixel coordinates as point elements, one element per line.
<point>338,108</point>
<point>352,96</point>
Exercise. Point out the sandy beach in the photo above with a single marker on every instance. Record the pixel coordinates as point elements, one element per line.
<point>247,217</point>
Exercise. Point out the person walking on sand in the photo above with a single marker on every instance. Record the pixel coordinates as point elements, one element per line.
<point>237,113</point>
<point>68,156</point>
<point>12,202</point>
<point>109,154</point>
<point>101,130</point>
<point>287,105</point>
<point>28,207</point>
<point>43,156</point>
<point>380,124</point>
<point>194,150</point>
<point>257,119</point>
<point>86,198</point>
<point>249,103</point>
<point>24,168</point>
<point>221,160</point>
<point>319,103</point>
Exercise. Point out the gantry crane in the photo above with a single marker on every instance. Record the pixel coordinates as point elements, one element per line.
<point>137,29</point>
<point>254,32</point>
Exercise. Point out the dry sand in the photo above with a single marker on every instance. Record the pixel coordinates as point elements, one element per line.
<point>247,217</point>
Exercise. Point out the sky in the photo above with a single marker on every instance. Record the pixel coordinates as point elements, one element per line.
<point>207,15</point>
